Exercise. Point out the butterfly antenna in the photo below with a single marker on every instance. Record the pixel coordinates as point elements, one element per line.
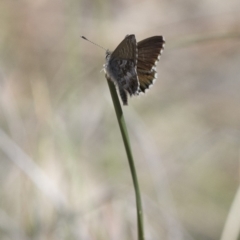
<point>93,43</point>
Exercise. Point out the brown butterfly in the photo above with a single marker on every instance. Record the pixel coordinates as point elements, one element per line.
<point>132,66</point>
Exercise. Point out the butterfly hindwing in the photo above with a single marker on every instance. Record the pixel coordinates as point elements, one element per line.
<point>149,51</point>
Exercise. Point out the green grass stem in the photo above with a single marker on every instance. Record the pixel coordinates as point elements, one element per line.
<point>127,145</point>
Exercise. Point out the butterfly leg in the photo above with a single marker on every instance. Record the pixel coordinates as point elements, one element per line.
<point>123,95</point>
<point>133,86</point>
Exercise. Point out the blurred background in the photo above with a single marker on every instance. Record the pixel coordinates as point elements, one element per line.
<point>63,168</point>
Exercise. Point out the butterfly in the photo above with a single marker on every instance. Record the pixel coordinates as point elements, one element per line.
<point>132,66</point>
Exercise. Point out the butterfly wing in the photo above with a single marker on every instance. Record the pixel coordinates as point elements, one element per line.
<point>121,67</point>
<point>149,51</point>
<point>126,49</point>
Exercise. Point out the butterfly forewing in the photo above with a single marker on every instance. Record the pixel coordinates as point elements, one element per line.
<point>149,51</point>
<point>126,49</point>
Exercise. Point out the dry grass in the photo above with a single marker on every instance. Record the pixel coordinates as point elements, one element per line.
<point>64,173</point>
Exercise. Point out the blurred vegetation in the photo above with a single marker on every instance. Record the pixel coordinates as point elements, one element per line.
<point>64,172</point>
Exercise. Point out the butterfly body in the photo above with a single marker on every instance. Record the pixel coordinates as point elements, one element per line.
<point>132,66</point>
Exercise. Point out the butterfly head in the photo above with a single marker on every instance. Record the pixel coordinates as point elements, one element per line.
<point>108,53</point>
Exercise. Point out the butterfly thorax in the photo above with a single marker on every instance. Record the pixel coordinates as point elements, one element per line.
<point>121,72</point>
